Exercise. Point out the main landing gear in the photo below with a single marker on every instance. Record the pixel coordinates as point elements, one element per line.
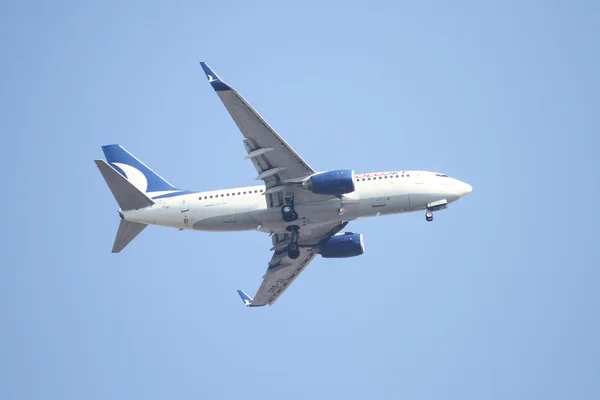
<point>289,215</point>
<point>293,251</point>
<point>293,248</point>
<point>287,211</point>
<point>429,216</point>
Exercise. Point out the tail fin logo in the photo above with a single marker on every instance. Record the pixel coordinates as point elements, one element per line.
<point>136,172</point>
<point>134,176</point>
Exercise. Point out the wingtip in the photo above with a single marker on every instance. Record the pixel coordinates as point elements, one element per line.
<point>214,79</point>
<point>245,298</point>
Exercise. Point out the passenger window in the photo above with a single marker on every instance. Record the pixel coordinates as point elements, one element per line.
<point>211,197</point>
<point>221,194</point>
<point>227,194</point>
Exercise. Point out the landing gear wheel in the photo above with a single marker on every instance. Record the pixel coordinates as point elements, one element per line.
<point>288,213</point>
<point>293,250</point>
<point>429,216</point>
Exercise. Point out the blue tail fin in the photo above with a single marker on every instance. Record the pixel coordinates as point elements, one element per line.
<point>136,171</point>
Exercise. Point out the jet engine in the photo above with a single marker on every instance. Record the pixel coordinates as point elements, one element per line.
<point>342,245</point>
<point>335,183</point>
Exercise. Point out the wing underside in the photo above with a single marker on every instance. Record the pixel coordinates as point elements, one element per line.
<point>282,270</point>
<point>280,275</point>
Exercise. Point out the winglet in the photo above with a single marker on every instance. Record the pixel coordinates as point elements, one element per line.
<point>245,298</point>
<point>214,79</point>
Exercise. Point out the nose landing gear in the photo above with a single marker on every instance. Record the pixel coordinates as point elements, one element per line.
<point>429,216</point>
<point>435,206</point>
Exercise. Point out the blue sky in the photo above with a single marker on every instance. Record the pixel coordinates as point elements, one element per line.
<point>497,298</point>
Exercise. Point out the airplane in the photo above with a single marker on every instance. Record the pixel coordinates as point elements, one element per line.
<point>303,210</point>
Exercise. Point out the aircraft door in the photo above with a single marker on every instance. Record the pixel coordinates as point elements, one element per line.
<point>398,197</point>
<point>185,210</point>
<point>185,206</point>
<point>419,179</point>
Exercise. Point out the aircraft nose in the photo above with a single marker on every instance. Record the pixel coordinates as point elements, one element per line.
<point>463,189</point>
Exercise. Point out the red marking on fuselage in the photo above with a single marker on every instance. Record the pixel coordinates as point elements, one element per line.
<point>375,174</point>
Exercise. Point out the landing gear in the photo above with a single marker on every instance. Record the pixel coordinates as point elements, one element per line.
<point>287,211</point>
<point>293,250</point>
<point>435,206</point>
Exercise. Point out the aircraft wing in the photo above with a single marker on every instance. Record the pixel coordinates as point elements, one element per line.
<point>282,270</point>
<point>269,153</point>
<point>276,163</point>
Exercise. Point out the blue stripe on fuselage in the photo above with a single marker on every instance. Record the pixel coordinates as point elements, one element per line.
<point>174,194</point>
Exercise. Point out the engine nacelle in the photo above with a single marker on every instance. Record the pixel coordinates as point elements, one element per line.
<point>336,182</point>
<point>341,246</point>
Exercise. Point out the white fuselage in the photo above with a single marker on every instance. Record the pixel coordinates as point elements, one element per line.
<point>245,208</point>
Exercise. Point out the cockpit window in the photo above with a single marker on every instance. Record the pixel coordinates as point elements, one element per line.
<point>442,175</point>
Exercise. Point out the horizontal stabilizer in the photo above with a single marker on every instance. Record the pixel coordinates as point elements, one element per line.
<point>127,195</point>
<point>127,232</point>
